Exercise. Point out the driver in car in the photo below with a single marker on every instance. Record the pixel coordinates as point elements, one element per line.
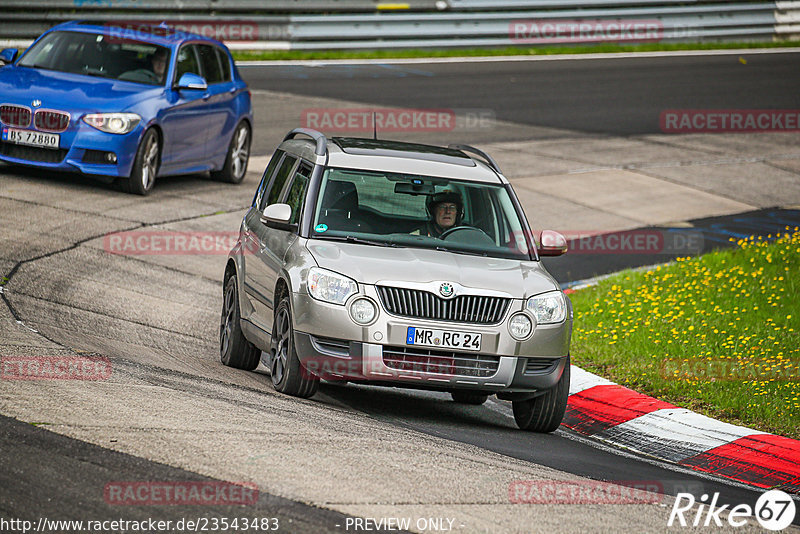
<point>159,63</point>
<point>446,211</point>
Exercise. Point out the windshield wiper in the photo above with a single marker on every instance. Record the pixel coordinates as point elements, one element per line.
<point>36,66</point>
<point>357,240</point>
<point>458,251</point>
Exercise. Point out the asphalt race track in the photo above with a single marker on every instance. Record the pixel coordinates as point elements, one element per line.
<point>171,412</point>
<point>601,96</point>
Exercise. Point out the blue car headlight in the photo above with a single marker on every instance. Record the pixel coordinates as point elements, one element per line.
<point>115,123</point>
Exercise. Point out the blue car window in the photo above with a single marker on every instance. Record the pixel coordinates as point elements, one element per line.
<point>187,62</point>
<point>212,71</point>
<point>97,55</point>
<point>225,62</point>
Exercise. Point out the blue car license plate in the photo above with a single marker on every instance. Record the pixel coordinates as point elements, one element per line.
<point>30,138</point>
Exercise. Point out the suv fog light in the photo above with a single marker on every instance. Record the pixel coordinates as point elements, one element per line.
<point>520,326</point>
<point>363,311</point>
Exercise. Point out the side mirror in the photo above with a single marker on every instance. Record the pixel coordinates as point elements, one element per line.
<point>552,243</point>
<point>8,55</point>
<point>191,80</point>
<point>277,216</point>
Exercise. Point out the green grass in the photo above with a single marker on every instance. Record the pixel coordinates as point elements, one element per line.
<point>252,55</point>
<point>719,333</point>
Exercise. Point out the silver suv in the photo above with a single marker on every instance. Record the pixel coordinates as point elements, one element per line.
<point>397,264</point>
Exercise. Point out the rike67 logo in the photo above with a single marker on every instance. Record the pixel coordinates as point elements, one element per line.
<point>774,510</point>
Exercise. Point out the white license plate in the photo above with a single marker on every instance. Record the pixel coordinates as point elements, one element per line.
<point>30,138</point>
<point>446,339</point>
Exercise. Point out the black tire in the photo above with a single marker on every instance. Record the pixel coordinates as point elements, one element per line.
<point>234,349</point>
<point>469,397</point>
<point>145,166</point>
<point>545,412</point>
<point>235,167</point>
<point>288,374</point>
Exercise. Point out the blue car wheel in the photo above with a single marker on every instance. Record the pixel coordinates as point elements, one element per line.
<point>145,166</point>
<point>238,155</point>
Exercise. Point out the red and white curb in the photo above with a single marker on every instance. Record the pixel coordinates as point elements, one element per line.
<point>622,417</point>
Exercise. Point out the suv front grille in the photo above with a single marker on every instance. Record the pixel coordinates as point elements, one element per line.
<point>440,362</point>
<point>425,305</point>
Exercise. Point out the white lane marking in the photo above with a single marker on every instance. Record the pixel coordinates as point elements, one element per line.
<point>581,380</point>
<point>674,433</point>
<point>490,59</point>
<point>616,450</point>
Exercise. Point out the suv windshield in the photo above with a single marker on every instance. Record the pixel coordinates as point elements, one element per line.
<point>99,55</point>
<point>419,211</point>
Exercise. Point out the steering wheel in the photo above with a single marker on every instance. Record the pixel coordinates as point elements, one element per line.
<point>479,236</point>
<point>456,229</point>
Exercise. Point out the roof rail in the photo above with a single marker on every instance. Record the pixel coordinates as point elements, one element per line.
<point>321,140</point>
<point>487,158</point>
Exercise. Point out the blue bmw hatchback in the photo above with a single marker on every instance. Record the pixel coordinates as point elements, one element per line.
<point>124,105</point>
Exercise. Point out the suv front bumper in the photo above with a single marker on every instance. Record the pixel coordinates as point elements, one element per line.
<point>339,349</point>
<point>364,362</point>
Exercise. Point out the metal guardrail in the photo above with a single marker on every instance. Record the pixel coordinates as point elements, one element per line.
<point>221,6</point>
<point>370,24</point>
<point>505,5</point>
<point>787,16</point>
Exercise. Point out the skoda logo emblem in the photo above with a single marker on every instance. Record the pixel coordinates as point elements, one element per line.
<point>446,289</point>
<point>36,103</point>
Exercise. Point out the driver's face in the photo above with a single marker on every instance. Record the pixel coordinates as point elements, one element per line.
<point>446,214</point>
<point>159,64</point>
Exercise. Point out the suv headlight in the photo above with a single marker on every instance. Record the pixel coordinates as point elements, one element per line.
<point>548,307</point>
<point>115,123</point>
<point>520,327</point>
<point>329,286</point>
<point>363,311</point>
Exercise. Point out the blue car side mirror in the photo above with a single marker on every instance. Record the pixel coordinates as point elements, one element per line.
<point>192,81</point>
<point>8,55</point>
